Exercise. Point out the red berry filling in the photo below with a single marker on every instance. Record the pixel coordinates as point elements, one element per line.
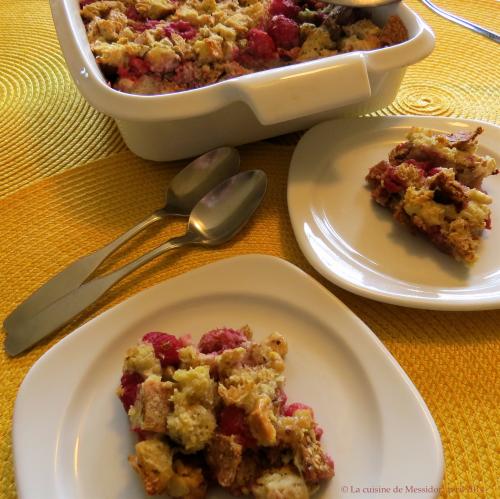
<point>424,166</point>
<point>260,44</point>
<point>133,14</point>
<point>130,387</point>
<point>184,73</point>
<point>284,31</point>
<point>183,28</point>
<point>232,421</point>
<point>218,340</point>
<point>136,68</point>
<point>166,347</point>
<point>287,8</point>
<point>143,26</point>
<point>392,182</point>
<point>290,410</point>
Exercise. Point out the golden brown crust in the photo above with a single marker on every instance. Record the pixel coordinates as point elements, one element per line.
<point>229,405</point>
<point>430,185</point>
<point>393,32</point>
<point>281,483</point>
<point>187,482</point>
<point>153,463</point>
<point>224,456</point>
<point>154,395</point>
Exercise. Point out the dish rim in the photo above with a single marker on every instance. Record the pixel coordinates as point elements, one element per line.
<point>31,478</point>
<point>248,88</point>
<point>414,301</point>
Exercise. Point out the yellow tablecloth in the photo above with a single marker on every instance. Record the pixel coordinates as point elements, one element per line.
<point>68,185</point>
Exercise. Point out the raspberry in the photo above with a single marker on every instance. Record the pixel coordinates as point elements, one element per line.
<point>424,166</point>
<point>232,421</point>
<point>133,14</point>
<point>130,386</point>
<point>284,31</point>
<point>433,171</point>
<point>287,8</point>
<point>318,5</point>
<point>149,24</point>
<point>218,340</point>
<point>183,28</point>
<point>260,44</point>
<point>392,182</point>
<point>166,347</point>
<point>290,410</point>
<point>138,66</point>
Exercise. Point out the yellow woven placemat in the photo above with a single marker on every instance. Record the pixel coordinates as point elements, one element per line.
<point>451,357</point>
<point>47,131</point>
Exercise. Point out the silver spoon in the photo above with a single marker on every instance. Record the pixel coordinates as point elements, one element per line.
<point>361,3</point>
<point>215,219</point>
<point>463,22</point>
<point>184,191</point>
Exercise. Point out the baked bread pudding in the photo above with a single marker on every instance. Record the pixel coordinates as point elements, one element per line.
<point>432,183</point>
<point>217,413</point>
<point>163,46</point>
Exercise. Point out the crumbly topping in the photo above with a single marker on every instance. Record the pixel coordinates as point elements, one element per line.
<point>219,410</point>
<point>163,46</point>
<point>432,182</point>
<point>153,463</point>
<point>141,359</point>
<point>280,483</point>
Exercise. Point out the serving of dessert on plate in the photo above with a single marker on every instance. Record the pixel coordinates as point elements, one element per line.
<point>164,46</point>
<point>440,182</point>
<point>217,413</point>
<point>432,183</point>
<point>213,411</point>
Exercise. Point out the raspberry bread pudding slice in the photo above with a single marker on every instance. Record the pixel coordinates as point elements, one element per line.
<point>432,183</point>
<point>216,413</point>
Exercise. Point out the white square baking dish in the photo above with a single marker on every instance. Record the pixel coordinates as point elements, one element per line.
<point>247,108</point>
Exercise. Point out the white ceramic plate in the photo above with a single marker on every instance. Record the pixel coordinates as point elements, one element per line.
<point>356,244</point>
<point>71,437</point>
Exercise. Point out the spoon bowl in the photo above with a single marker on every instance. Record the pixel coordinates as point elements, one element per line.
<point>198,178</point>
<point>222,213</point>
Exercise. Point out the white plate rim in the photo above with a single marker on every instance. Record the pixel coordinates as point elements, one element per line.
<point>298,212</point>
<point>35,465</point>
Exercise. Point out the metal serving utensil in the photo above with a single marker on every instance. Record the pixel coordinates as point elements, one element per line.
<point>184,191</point>
<point>463,22</point>
<point>361,3</point>
<point>215,219</point>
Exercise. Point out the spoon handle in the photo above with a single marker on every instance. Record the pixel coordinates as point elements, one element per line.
<point>463,22</point>
<point>22,334</point>
<point>73,275</point>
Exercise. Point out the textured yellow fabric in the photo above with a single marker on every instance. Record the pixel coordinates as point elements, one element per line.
<point>46,128</point>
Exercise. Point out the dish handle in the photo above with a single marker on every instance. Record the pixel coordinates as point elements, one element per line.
<point>305,89</point>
